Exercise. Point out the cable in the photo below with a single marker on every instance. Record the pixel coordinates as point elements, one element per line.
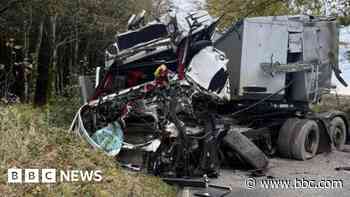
<point>262,100</point>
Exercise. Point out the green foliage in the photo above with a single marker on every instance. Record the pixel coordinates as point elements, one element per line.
<point>313,7</point>
<point>27,140</point>
<point>344,20</point>
<point>237,9</point>
<point>234,10</point>
<point>83,28</point>
<point>38,138</point>
<point>333,102</point>
<point>60,110</point>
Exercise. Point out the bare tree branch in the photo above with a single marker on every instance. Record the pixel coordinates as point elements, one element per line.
<point>65,41</point>
<point>9,5</point>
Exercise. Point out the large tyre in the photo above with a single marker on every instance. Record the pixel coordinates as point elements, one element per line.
<point>298,139</point>
<point>338,132</point>
<point>306,140</point>
<point>285,137</point>
<point>246,149</point>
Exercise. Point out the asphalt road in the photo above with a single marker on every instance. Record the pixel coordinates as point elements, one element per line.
<point>301,178</point>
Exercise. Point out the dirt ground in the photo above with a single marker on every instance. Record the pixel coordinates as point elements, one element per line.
<point>321,168</point>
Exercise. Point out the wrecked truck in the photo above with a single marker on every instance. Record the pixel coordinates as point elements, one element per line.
<point>176,103</point>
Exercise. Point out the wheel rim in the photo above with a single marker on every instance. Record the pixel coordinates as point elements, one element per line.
<point>338,136</point>
<point>310,142</point>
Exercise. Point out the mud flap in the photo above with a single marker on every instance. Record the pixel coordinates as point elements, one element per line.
<point>325,118</point>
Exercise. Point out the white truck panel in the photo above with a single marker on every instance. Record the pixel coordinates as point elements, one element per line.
<point>263,42</point>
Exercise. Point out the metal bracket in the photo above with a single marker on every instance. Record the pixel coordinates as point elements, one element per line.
<point>273,68</point>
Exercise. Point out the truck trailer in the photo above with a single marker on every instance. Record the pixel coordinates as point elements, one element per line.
<point>287,61</point>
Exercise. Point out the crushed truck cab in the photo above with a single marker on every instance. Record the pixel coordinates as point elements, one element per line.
<point>183,103</point>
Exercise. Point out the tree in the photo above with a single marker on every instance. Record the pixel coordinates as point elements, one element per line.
<point>233,10</point>
<point>57,34</point>
<point>9,5</point>
<point>237,9</point>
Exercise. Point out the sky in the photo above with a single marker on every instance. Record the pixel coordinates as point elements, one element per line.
<point>344,61</point>
<point>185,6</point>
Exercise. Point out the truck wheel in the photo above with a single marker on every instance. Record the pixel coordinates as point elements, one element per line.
<point>246,149</point>
<point>285,137</point>
<point>306,138</point>
<point>338,132</point>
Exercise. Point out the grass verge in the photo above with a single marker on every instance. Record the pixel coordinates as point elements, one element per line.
<point>333,102</point>
<point>29,139</point>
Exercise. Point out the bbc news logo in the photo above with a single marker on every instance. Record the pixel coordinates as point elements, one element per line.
<point>15,175</point>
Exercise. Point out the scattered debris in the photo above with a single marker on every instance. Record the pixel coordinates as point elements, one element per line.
<point>109,138</point>
<point>173,98</point>
<point>209,190</point>
<point>342,169</point>
<point>258,173</point>
<point>131,167</point>
<point>9,99</point>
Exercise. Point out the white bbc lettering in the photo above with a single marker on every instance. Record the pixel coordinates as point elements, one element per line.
<point>48,175</point>
<point>31,175</point>
<point>74,175</point>
<point>98,176</point>
<point>14,175</point>
<point>86,175</point>
<point>64,176</point>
